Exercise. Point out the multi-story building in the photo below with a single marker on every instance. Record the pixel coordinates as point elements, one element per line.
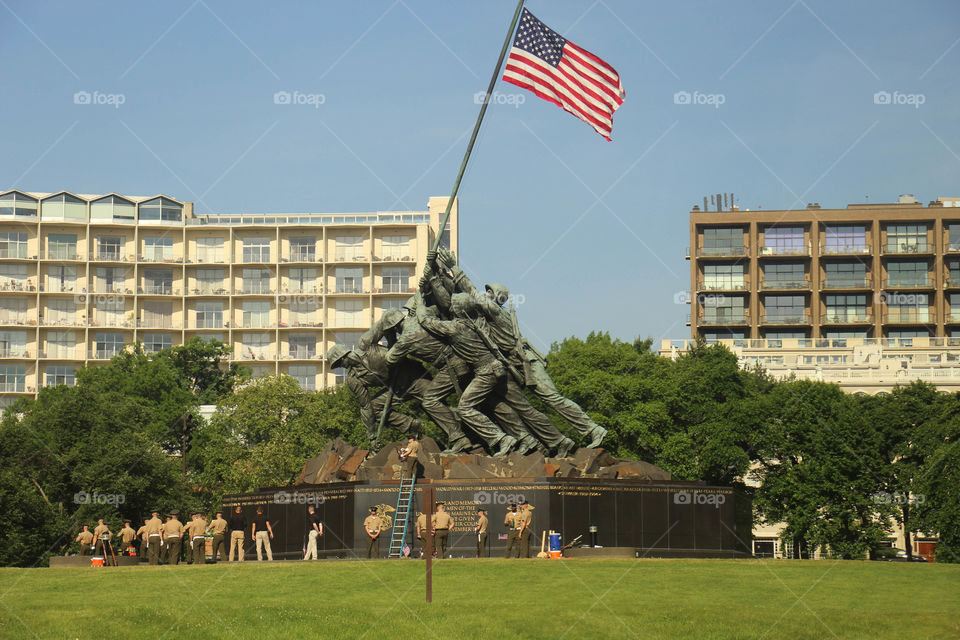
<point>83,275</point>
<point>867,271</point>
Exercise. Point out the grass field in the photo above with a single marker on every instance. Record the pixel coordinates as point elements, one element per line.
<point>487,599</point>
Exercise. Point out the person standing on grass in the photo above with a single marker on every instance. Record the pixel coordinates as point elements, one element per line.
<point>442,525</point>
<point>372,525</point>
<point>315,531</point>
<point>421,529</point>
<point>101,536</point>
<point>481,532</point>
<point>144,540</point>
<point>172,536</point>
<point>262,533</point>
<point>85,538</point>
<point>127,536</point>
<point>198,538</point>
<point>512,523</point>
<point>218,527</point>
<point>238,528</point>
<point>154,533</point>
<point>526,524</point>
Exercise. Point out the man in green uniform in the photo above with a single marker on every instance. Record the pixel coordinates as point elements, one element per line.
<point>198,537</point>
<point>172,535</point>
<point>481,532</point>
<point>410,453</point>
<point>85,538</point>
<point>372,526</point>
<point>525,519</point>
<point>442,524</point>
<point>127,537</point>
<point>512,524</point>
<point>101,537</point>
<point>219,529</point>
<point>154,533</point>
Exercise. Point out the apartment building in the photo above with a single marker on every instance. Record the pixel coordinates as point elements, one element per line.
<point>83,275</point>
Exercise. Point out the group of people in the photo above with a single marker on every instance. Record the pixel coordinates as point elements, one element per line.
<point>472,341</point>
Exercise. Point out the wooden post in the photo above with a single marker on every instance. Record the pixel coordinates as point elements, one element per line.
<point>429,506</point>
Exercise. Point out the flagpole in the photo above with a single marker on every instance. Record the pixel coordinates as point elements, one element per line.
<point>388,399</point>
<point>476,127</point>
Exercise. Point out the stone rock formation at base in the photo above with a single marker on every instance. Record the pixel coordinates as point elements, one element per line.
<point>340,461</point>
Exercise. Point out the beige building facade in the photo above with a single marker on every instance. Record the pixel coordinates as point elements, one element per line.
<point>83,275</point>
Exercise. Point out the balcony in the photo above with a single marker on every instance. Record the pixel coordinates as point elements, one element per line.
<point>791,249</point>
<point>350,259</point>
<point>105,353</point>
<point>952,281</point>
<point>256,290</point>
<point>61,322</point>
<point>301,354</point>
<point>853,247</point>
<point>15,255</point>
<point>724,318</point>
<point>62,353</point>
<point>907,247</point>
<point>210,323</point>
<point>907,316</point>
<point>394,258</point>
<point>159,257</point>
<point>14,352</point>
<point>348,289</point>
<point>836,283</point>
<point>301,323</point>
<point>58,287</point>
<point>105,255</point>
<point>721,252</point>
<point>396,288</point>
<point>70,254</point>
<point>158,290</point>
<point>951,246</point>
<point>953,317</point>
<point>157,323</point>
<point>217,290</point>
<point>917,282</point>
<point>847,316</point>
<point>22,286</point>
<point>791,317</point>
<point>248,353</point>
<point>732,284</point>
<point>302,256</point>
<point>785,285</point>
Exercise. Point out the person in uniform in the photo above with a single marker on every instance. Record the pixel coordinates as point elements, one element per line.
<point>442,524</point>
<point>172,535</point>
<point>85,538</point>
<point>481,532</point>
<point>127,536</point>
<point>198,537</point>
<point>512,524</point>
<point>421,530</point>
<point>526,522</point>
<point>372,525</point>
<point>315,531</point>
<point>143,541</point>
<point>238,527</point>
<point>154,534</point>
<point>263,536</point>
<point>218,527</point>
<point>410,453</point>
<point>102,537</point>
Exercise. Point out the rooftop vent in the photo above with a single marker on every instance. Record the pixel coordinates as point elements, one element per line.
<point>907,198</point>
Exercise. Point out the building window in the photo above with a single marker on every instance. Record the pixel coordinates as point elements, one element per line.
<point>17,204</point>
<point>846,308</point>
<point>157,249</point>
<point>256,250</point>
<point>109,311</point>
<point>723,309</point>
<point>838,335</point>
<point>62,246</point>
<point>396,279</point>
<point>61,279</point>
<point>158,281</point>
<point>723,334</point>
<point>391,303</point>
<point>303,280</point>
<point>64,206</point>
<point>783,335</point>
<point>210,281</point>
<point>61,344</point>
<point>783,241</point>
<point>13,244</point>
<point>209,315</point>
<point>13,377</point>
<point>161,209</point>
<point>210,250</point>
<point>723,276</point>
<point>302,313</point>
<point>110,247</point>
<point>395,248</point>
<point>348,339</point>
<point>845,274</point>
<point>157,314</point>
<point>906,238</point>
<point>306,377</point>
<point>14,310</point>
<point>845,239</point>
<point>303,249</point>
<point>348,248</point>
<point>60,374</point>
<point>908,333</point>
<point>785,309</point>
<point>784,275</point>
<point>723,241</point>
<point>349,280</point>
<point>256,314</point>
<point>58,311</point>
<point>907,273</point>
<point>255,346</point>
<point>13,277</point>
<point>303,345</point>
<point>13,344</point>
<point>349,313</point>
<point>110,280</point>
<point>112,208</point>
<point>154,342</point>
<point>256,280</point>
<point>907,307</point>
<point>953,232</point>
<point>108,344</point>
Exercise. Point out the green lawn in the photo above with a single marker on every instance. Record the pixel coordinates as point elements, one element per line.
<point>487,599</point>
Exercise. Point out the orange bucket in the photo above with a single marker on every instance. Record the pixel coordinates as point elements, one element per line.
<point>96,561</point>
<point>556,554</point>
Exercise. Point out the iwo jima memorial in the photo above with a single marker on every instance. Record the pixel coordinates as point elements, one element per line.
<point>456,350</point>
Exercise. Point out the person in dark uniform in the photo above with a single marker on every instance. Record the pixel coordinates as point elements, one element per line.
<point>512,525</point>
<point>372,526</point>
<point>442,524</point>
<point>238,527</point>
<point>481,532</point>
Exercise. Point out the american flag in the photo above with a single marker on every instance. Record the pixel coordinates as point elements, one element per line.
<point>560,72</point>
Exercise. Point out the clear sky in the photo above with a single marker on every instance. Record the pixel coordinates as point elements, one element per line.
<point>592,234</point>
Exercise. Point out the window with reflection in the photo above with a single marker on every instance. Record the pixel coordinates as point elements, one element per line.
<point>113,208</point>
<point>18,204</point>
<point>63,206</point>
<point>161,209</point>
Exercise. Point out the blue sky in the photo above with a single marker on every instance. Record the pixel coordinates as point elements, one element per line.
<point>590,233</point>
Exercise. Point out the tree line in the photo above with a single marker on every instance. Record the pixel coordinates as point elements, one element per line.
<point>835,468</point>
